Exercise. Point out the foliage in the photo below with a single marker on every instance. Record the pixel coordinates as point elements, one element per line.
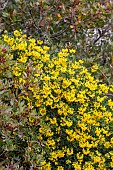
<point>54,113</point>
<point>82,24</point>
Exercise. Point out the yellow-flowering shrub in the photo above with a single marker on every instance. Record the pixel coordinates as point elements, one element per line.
<point>69,116</point>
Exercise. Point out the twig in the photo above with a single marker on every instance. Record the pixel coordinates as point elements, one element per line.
<point>59,33</point>
<point>109,94</point>
<point>102,33</point>
<point>105,77</point>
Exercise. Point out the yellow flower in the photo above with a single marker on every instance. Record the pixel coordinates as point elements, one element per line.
<point>66,83</point>
<point>16,73</point>
<point>31,120</point>
<point>60,168</point>
<point>69,123</point>
<point>86,152</point>
<point>40,42</point>
<point>21,80</point>
<point>80,156</point>
<point>46,48</point>
<point>49,102</point>
<point>49,133</point>
<point>68,161</point>
<point>107,144</point>
<point>72,51</point>
<point>10,41</point>
<point>111,164</point>
<point>43,163</point>
<point>65,50</point>
<point>23,59</point>
<point>53,156</point>
<point>94,68</point>
<point>42,111</point>
<point>60,153</point>
<point>47,166</point>
<point>69,132</point>
<point>104,88</point>
<point>69,151</point>
<point>111,88</point>
<point>111,140</point>
<point>16,70</point>
<point>53,121</point>
<point>76,166</point>
<point>110,103</point>
<point>50,142</point>
<point>17,33</point>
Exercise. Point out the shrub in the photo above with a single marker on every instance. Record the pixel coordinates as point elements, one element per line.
<point>57,115</point>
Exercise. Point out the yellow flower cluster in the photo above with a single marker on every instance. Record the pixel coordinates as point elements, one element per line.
<point>77,116</point>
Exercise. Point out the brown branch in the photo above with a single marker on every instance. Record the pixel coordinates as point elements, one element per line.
<point>60,32</point>
<point>109,94</point>
<point>102,33</point>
